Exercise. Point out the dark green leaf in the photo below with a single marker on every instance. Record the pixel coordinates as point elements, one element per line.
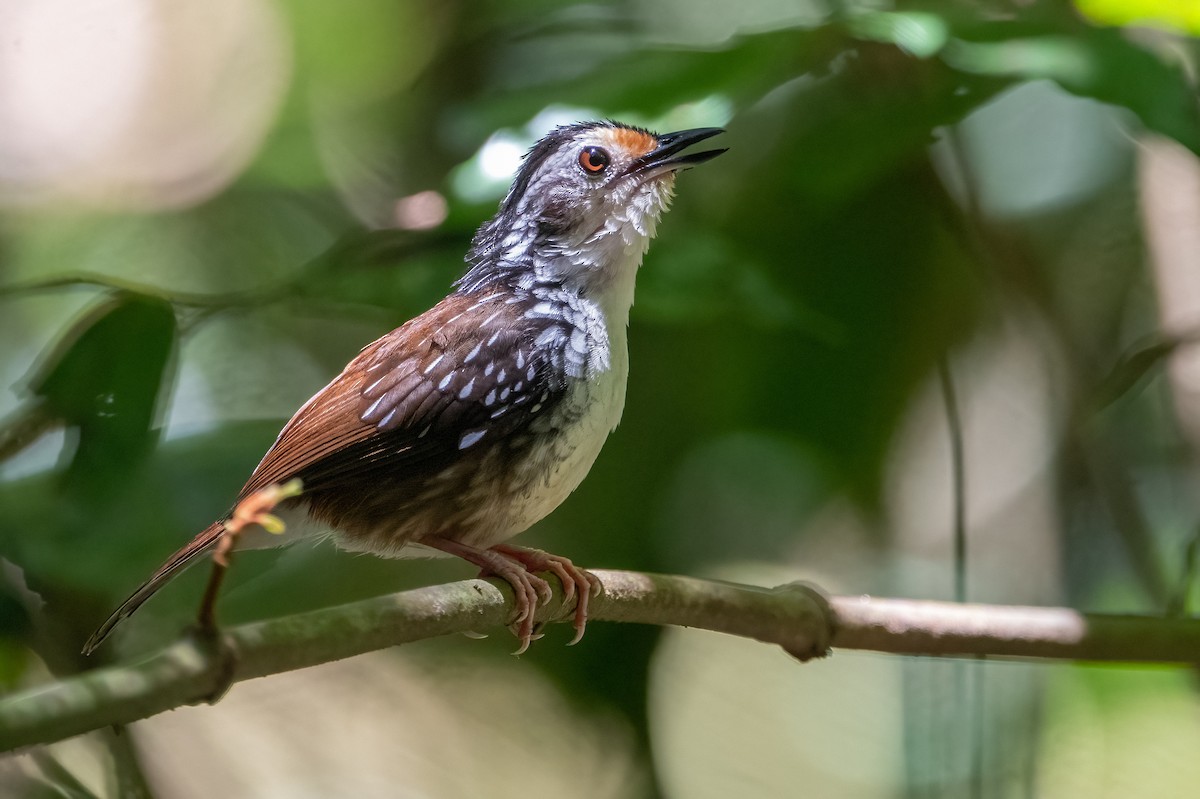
<point>104,379</point>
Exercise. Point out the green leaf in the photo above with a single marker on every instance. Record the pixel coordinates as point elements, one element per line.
<point>104,379</point>
<point>1181,15</point>
<point>1098,63</point>
<point>919,33</point>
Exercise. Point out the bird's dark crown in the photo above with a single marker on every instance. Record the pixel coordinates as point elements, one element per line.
<point>552,142</point>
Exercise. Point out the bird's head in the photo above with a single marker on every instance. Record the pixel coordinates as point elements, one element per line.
<point>585,203</point>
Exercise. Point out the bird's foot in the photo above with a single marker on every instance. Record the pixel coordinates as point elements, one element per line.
<point>516,566</point>
<point>575,581</point>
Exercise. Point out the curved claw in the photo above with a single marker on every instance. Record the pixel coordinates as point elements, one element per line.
<point>529,591</point>
<point>516,566</point>
<point>578,584</point>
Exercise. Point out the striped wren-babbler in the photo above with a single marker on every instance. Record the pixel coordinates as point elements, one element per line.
<point>464,426</point>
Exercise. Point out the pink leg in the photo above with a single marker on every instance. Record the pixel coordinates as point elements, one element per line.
<point>515,565</point>
<point>529,590</point>
<point>574,579</point>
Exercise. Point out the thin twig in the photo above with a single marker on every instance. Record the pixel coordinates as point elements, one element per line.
<point>65,783</point>
<point>130,778</point>
<point>958,473</point>
<point>970,698</point>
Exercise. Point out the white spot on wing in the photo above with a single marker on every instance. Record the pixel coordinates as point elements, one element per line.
<point>470,439</point>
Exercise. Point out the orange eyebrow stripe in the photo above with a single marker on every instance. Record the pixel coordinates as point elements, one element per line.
<point>632,142</point>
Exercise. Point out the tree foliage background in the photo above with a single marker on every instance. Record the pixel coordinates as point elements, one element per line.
<point>205,210</point>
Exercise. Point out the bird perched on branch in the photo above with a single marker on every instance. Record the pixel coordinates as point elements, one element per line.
<point>464,426</point>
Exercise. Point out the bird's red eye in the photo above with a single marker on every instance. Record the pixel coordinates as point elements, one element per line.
<point>594,160</point>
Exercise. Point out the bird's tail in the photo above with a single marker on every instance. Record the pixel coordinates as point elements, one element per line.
<point>175,564</point>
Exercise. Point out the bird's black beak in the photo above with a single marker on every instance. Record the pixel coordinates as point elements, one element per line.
<point>669,144</point>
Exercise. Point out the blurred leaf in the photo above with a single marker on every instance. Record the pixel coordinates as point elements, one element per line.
<point>837,201</point>
<point>1098,63</point>
<point>14,618</point>
<point>698,278</point>
<point>1181,15</point>
<point>15,626</point>
<point>919,33</point>
<point>1130,371</point>
<point>1033,150</point>
<point>104,379</point>
<point>114,544</point>
<point>745,70</point>
<point>14,660</point>
<point>244,239</point>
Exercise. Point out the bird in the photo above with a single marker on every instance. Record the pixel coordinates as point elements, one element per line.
<point>472,421</point>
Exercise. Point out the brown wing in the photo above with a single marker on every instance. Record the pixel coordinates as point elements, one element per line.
<point>459,373</point>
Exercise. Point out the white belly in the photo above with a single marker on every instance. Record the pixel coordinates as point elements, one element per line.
<point>564,461</point>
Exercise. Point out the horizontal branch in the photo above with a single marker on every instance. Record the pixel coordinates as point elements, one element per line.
<point>797,617</point>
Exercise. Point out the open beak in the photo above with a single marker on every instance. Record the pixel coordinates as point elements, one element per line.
<point>665,155</point>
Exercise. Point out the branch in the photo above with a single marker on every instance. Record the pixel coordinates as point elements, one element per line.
<point>797,617</point>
